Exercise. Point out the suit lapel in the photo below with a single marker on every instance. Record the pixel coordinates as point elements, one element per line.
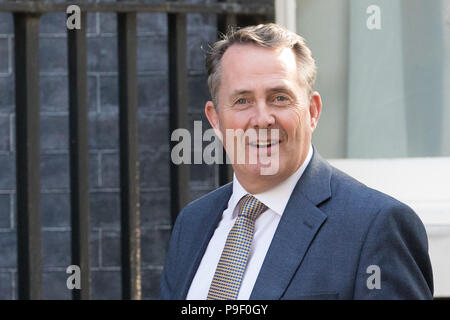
<point>209,225</point>
<point>296,230</point>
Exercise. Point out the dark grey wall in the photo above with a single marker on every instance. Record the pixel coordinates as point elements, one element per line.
<point>103,152</point>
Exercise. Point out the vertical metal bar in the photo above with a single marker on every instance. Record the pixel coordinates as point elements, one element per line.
<point>225,171</point>
<point>129,167</point>
<point>178,107</point>
<point>78,127</point>
<point>26,54</point>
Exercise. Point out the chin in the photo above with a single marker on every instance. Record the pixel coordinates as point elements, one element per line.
<point>260,171</point>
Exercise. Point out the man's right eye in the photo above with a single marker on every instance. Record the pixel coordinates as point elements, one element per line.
<point>241,101</point>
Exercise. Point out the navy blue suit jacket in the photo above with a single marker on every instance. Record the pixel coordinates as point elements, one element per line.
<point>332,230</point>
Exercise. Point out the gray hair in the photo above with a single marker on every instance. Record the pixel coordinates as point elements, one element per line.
<point>265,35</point>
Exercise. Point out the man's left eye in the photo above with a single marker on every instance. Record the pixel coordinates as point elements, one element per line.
<point>280,98</point>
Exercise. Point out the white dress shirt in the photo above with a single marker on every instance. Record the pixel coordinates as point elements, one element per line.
<point>276,200</point>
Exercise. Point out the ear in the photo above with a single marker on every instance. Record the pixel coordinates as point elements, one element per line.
<point>315,108</point>
<point>213,118</point>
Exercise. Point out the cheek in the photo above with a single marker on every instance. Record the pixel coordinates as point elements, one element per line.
<point>233,120</point>
<point>230,121</point>
<point>295,123</point>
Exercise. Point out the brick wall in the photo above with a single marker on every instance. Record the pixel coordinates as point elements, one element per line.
<point>103,149</point>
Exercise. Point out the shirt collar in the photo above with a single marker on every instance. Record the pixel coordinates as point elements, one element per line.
<point>275,198</point>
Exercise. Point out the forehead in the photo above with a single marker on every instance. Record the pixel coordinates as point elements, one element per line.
<point>248,64</point>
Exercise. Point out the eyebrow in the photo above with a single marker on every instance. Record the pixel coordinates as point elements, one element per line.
<point>240,92</point>
<point>280,89</point>
<point>269,90</point>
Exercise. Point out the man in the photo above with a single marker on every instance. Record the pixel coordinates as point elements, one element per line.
<point>306,231</point>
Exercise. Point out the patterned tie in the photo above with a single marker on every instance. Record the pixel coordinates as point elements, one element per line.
<point>233,261</point>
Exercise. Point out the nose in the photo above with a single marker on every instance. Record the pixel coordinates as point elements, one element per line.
<point>263,116</point>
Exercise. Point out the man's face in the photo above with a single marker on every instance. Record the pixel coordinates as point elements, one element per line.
<point>260,88</point>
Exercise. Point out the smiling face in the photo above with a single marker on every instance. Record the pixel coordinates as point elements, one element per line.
<point>260,88</point>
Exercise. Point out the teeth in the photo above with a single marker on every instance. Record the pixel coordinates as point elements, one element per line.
<point>263,144</point>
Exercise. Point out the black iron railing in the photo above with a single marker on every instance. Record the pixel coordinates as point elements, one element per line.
<point>26,33</point>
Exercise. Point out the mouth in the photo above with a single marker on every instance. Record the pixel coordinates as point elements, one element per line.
<point>264,144</point>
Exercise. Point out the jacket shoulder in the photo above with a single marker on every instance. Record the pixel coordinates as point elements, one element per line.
<point>352,192</point>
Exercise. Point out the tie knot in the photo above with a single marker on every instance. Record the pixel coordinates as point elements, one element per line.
<point>251,207</point>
